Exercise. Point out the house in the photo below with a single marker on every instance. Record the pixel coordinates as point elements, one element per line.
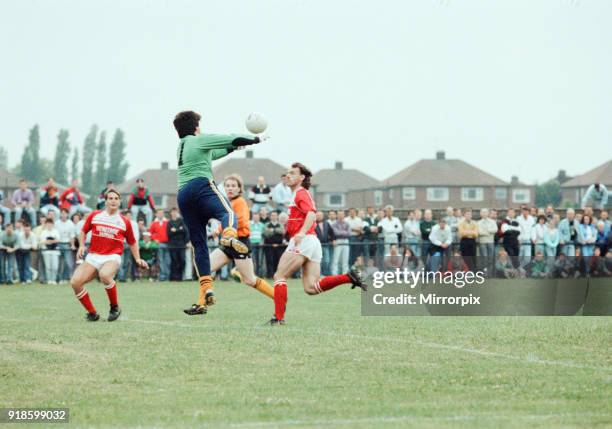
<point>331,186</point>
<point>249,168</point>
<point>162,183</point>
<point>572,191</point>
<point>440,182</point>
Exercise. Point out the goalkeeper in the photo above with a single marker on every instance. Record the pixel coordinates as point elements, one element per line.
<point>198,197</point>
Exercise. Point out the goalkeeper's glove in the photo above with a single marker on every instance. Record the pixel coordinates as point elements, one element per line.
<point>243,141</point>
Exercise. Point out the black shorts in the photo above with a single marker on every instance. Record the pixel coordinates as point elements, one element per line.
<point>232,254</point>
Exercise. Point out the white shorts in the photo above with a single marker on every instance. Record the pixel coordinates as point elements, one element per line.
<point>310,248</point>
<point>97,260</point>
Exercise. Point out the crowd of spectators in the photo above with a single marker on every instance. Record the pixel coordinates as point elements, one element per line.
<point>535,242</point>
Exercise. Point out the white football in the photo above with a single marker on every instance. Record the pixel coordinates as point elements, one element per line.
<point>256,123</point>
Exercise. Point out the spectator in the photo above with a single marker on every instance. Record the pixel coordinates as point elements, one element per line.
<point>602,238</point>
<point>538,268</point>
<point>6,212</point>
<point>140,200</point>
<point>426,226</point>
<point>411,262</point>
<point>412,232</point>
<point>128,264</point>
<point>380,239</point>
<point>370,233</point>
<point>391,228</point>
<point>457,264</point>
<point>356,225</point>
<point>260,195</point>
<point>440,238</point>
<point>331,216</point>
<point>49,198</point>
<point>67,234</point>
<point>9,247</point>
<point>511,230</point>
<point>467,231</point>
<point>452,222</point>
<point>72,200</point>
<point>537,234</point>
<point>598,194</point>
<point>370,269</point>
<point>26,242</point>
<point>101,203</point>
<point>342,232</point>
<point>23,200</point>
<point>148,253</point>
<point>282,195</point>
<point>264,215</point>
<point>562,267</point>
<point>526,223</point>
<point>504,268</point>
<point>487,229</point>
<point>579,267</point>
<point>597,265</point>
<point>568,232</point>
<point>159,233</point>
<point>178,237</point>
<point>49,240</point>
<point>587,235</point>
<point>603,216</point>
<point>551,240</point>
<point>257,228</point>
<point>325,234</point>
<point>274,234</point>
<point>393,261</point>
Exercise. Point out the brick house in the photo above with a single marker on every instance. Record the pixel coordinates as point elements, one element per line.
<point>331,186</point>
<point>573,190</point>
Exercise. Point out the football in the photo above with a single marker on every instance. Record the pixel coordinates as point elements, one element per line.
<point>256,123</point>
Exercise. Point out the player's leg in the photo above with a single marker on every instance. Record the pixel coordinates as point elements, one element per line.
<point>222,210</point>
<point>246,271</point>
<point>107,273</point>
<point>289,263</point>
<point>83,275</point>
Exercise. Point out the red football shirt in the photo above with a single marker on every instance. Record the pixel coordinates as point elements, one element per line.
<point>108,232</point>
<point>301,204</point>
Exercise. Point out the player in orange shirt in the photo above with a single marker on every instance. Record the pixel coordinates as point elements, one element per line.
<point>221,256</point>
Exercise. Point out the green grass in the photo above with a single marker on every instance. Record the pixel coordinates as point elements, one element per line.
<point>328,367</point>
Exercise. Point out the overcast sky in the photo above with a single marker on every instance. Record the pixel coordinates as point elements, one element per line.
<point>514,87</point>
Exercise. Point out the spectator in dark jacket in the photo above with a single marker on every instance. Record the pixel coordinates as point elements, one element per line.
<point>326,236</point>
<point>49,198</point>
<point>511,230</point>
<point>274,234</point>
<point>178,237</point>
<point>140,200</point>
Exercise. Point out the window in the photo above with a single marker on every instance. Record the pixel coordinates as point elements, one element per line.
<point>437,194</point>
<point>471,194</point>
<point>391,194</point>
<point>335,200</point>
<point>521,195</point>
<point>409,193</point>
<point>378,196</point>
<point>501,193</point>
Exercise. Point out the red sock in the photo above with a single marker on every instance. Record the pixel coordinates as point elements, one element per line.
<point>83,296</point>
<point>280,299</point>
<point>329,282</point>
<point>111,291</point>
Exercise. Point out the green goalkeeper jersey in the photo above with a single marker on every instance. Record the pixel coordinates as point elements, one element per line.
<point>195,155</point>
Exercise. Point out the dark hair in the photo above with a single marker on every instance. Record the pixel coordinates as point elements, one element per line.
<point>112,191</point>
<point>185,123</point>
<point>49,221</point>
<point>305,172</point>
<point>542,217</point>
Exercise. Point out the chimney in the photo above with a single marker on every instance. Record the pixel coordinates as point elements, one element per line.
<point>164,165</point>
<point>249,154</point>
<point>514,181</point>
<point>562,176</point>
<point>440,154</point>
<point>338,165</point>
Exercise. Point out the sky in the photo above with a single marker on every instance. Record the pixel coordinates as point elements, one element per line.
<point>513,87</point>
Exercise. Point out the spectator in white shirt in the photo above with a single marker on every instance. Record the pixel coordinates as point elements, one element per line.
<point>412,232</point>
<point>282,195</point>
<point>537,234</point>
<point>25,244</point>
<point>597,193</point>
<point>67,233</point>
<point>260,195</point>
<point>49,239</point>
<point>526,223</point>
<point>487,228</point>
<point>356,226</point>
<point>441,238</point>
<point>391,228</point>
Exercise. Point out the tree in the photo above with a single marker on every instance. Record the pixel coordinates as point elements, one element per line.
<point>548,193</point>
<point>62,153</point>
<point>30,167</point>
<point>3,158</point>
<point>100,177</point>
<point>75,165</point>
<point>89,153</point>
<point>117,166</point>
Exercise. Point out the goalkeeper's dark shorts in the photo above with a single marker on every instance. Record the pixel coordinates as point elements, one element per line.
<point>232,254</point>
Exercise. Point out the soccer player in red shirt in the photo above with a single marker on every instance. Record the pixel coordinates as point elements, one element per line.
<point>108,231</point>
<point>304,249</point>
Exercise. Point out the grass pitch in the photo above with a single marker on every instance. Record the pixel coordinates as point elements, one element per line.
<point>328,367</point>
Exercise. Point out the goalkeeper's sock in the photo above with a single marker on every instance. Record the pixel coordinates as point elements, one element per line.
<point>206,284</point>
<point>280,299</point>
<point>329,282</point>
<point>264,287</point>
<point>83,297</point>
<point>111,291</point>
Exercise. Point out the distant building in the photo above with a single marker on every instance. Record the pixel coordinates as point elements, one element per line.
<point>331,186</point>
<point>441,182</point>
<point>573,190</point>
<point>249,168</point>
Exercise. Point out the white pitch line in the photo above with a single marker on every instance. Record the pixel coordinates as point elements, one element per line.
<point>523,359</point>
